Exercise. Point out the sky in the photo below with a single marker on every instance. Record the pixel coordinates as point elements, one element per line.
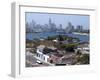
<point>43,18</point>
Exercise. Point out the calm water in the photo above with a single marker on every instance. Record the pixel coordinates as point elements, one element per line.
<point>43,35</point>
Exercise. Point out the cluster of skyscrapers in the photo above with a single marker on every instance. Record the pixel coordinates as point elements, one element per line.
<point>51,26</point>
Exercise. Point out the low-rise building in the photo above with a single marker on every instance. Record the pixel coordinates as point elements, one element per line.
<point>48,54</point>
<point>40,53</point>
<point>83,48</point>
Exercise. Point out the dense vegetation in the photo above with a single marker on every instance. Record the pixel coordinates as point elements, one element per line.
<point>69,47</point>
<point>83,59</point>
<point>62,38</point>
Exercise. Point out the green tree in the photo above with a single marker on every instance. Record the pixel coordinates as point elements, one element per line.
<point>83,59</point>
<point>69,47</point>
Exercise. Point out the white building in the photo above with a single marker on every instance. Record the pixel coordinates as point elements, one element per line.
<point>84,50</point>
<point>40,54</point>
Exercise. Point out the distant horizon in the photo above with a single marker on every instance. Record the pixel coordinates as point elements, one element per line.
<point>64,19</point>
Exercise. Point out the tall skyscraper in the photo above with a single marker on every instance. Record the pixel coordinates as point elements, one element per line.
<point>69,28</point>
<point>79,28</point>
<point>52,25</point>
<point>50,22</point>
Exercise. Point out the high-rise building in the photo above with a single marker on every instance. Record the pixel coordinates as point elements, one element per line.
<point>69,28</point>
<point>50,22</point>
<point>79,28</point>
<point>60,26</point>
<point>52,25</point>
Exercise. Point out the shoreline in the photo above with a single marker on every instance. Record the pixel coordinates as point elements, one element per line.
<point>80,33</point>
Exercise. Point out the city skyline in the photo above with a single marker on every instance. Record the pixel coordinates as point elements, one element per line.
<point>57,19</point>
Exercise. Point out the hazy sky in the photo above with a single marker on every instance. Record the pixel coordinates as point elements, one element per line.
<point>43,18</point>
